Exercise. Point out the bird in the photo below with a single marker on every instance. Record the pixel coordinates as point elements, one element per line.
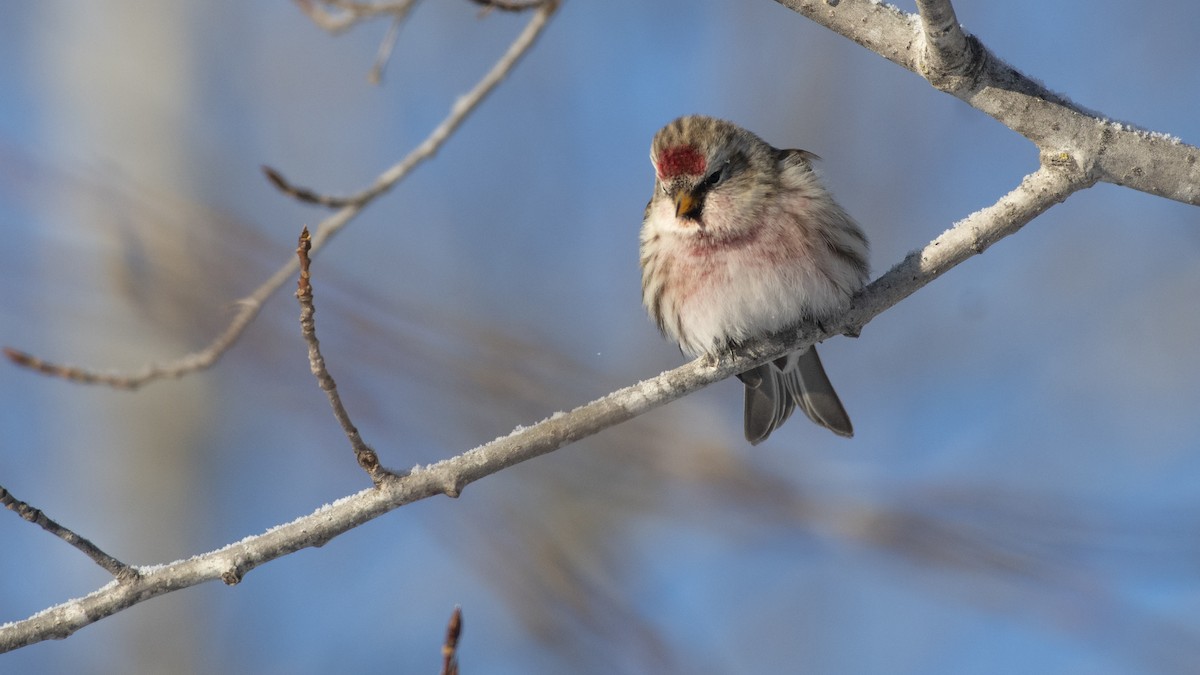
<point>740,241</point>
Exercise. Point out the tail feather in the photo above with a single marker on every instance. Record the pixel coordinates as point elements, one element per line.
<point>775,389</point>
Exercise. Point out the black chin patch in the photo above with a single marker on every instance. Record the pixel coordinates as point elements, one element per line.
<point>696,211</point>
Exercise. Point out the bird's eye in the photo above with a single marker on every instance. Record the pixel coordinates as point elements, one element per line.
<point>715,178</point>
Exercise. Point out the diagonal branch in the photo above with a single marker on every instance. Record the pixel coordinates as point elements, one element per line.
<point>1112,152</point>
<point>250,306</point>
<point>384,53</point>
<point>34,515</point>
<point>1039,191</point>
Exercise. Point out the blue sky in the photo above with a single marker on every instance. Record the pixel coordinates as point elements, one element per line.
<point>1020,493</point>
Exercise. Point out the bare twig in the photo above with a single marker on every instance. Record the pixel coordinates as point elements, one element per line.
<point>461,108</point>
<point>303,194</point>
<point>251,305</point>
<point>450,648</point>
<point>508,5</point>
<point>1037,192</point>
<point>114,567</point>
<point>349,13</point>
<point>385,51</point>
<point>367,458</point>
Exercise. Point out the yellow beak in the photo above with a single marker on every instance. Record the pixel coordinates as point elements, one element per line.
<point>684,203</point>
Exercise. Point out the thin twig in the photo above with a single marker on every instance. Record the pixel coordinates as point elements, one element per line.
<point>367,458</point>
<point>34,515</point>
<point>384,53</point>
<point>303,194</point>
<point>970,236</point>
<point>458,112</point>
<point>507,5</point>
<point>251,305</point>
<point>350,13</point>
<point>450,647</point>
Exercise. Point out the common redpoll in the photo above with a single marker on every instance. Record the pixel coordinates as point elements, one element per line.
<point>740,241</point>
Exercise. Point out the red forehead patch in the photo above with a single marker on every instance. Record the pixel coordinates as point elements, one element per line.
<point>681,160</point>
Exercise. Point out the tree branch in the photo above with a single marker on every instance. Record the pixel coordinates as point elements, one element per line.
<point>970,236</point>
<point>1108,151</point>
<point>34,515</point>
<point>947,50</point>
<point>974,234</point>
<point>367,459</point>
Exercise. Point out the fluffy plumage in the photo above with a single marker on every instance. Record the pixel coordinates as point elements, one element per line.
<point>740,240</point>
